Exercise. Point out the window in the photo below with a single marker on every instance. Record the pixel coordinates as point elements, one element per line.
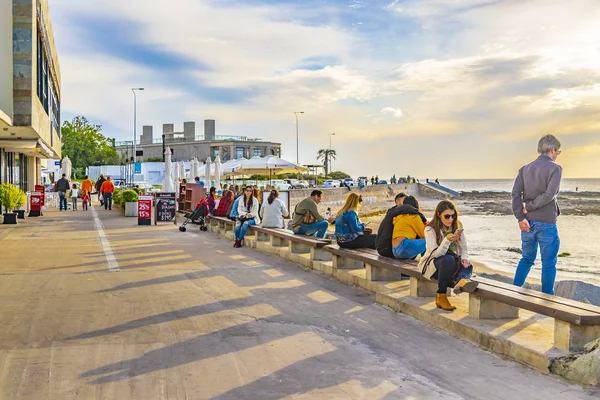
<point>239,152</point>
<point>45,86</point>
<point>257,152</point>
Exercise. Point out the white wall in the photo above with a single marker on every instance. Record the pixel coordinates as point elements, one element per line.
<point>6,58</point>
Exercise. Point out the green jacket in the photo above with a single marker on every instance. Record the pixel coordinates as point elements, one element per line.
<point>306,204</point>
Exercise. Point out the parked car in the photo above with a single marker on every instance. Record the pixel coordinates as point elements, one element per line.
<point>349,181</point>
<point>330,183</point>
<point>280,184</point>
<point>382,182</point>
<point>145,186</point>
<point>296,184</point>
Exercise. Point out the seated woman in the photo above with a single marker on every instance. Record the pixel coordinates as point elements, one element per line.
<point>211,200</point>
<point>224,204</point>
<point>247,216</point>
<point>408,237</point>
<point>446,258</point>
<point>349,231</point>
<point>273,211</point>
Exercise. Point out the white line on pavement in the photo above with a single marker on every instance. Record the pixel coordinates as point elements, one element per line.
<point>113,265</point>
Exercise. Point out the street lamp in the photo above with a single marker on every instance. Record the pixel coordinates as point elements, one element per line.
<point>330,135</point>
<point>135,125</point>
<point>297,145</point>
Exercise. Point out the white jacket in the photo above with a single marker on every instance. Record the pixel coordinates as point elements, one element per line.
<point>253,211</point>
<point>272,214</point>
<point>435,250</point>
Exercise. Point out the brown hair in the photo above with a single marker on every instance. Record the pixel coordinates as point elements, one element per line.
<point>273,195</point>
<point>352,202</point>
<point>436,222</point>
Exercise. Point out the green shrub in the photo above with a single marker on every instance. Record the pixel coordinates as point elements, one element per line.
<point>129,196</point>
<point>118,196</point>
<point>12,198</point>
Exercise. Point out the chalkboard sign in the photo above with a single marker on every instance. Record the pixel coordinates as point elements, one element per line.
<point>165,207</point>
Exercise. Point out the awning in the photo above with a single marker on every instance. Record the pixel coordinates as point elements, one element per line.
<point>30,147</point>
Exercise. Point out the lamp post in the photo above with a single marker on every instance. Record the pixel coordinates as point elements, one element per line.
<point>297,143</point>
<point>135,125</point>
<point>329,155</point>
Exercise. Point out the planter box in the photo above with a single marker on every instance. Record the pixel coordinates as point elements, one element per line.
<point>10,218</point>
<point>20,214</point>
<point>131,209</point>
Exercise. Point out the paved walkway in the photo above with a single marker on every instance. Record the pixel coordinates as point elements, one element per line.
<point>99,308</point>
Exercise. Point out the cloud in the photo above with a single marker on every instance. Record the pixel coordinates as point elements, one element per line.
<point>395,112</point>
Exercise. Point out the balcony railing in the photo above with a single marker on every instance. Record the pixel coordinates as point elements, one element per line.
<point>197,138</point>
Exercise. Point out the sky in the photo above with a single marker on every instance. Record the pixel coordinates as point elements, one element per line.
<point>430,88</point>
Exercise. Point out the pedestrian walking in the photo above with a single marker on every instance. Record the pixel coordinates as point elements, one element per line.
<point>99,183</point>
<point>74,196</point>
<point>87,185</point>
<point>377,179</point>
<point>85,199</point>
<point>535,206</point>
<point>62,186</point>
<point>107,189</point>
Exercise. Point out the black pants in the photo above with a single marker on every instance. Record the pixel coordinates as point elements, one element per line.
<point>361,242</point>
<point>108,201</point>
<point>445,270</point>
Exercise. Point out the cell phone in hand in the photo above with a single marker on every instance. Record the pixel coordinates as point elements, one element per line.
<point>366,223</point>
<point>459,230</point>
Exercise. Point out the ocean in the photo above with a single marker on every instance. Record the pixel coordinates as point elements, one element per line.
<point>505,185</point>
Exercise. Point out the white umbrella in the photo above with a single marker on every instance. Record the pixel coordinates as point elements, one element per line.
<point>218,173</point>
<point>267,165</point>
<point>207,173</point>
<point>196,167</point>
<point>175,174</point>
<point>67,167</point>
<point>167,185</point>
<point>181,170</point>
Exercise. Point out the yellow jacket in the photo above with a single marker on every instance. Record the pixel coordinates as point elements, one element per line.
<point>409,226</point>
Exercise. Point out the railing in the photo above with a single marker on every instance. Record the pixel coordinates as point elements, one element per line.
<point>197,138</point>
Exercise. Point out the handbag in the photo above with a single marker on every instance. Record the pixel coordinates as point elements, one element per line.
<point>457,262</point>
<point>346,238</point>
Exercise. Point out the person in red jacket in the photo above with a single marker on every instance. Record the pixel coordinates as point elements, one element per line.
<point>107,189</point>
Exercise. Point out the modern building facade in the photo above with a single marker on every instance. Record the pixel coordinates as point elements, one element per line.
<point>29,92</point>
<point>187,144</point>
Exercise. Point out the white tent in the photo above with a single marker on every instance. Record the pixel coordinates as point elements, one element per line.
<point>267,166</point>
<point>218,173</point>
<point>167,185</point>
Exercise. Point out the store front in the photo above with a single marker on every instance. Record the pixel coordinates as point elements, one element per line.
<point>13,169</point>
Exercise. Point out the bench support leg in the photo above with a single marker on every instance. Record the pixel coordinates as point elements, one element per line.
<point>319,254</point>
<point>571,337</point>
<point>382,274</point>
<point>279,242</point>
<point>422,287</point>
<point>299,248</point>
<point>340,262</point>
<point>262,237</point>
<point>490,309</point>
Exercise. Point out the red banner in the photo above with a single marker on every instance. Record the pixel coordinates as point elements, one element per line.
<point>144,210</point>
<point>42,190</point>
<point>36,201</point>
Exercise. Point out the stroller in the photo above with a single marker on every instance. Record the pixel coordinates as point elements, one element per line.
<point>198,217</point>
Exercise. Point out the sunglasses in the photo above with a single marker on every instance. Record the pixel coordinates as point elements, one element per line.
<point>448,216</point>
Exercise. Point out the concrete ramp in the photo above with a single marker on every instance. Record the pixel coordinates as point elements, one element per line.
<point>436,191</point>
<point>443,189</point>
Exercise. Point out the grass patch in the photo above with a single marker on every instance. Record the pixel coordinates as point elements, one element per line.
<point>564,254</point>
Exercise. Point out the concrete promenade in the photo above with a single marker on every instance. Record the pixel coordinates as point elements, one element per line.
<point>99,308</point>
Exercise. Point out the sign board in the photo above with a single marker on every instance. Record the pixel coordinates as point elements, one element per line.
<point>145,210</point>
<point>165,207</point>
<point>42,190</point>
<point>137,169</point>
<point>35,205</point>
<point>57,163</point>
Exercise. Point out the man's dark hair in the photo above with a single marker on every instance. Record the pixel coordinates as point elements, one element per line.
<point>64,175</point>
<point>411,201</point>
<point>400,195</point>
<point>197,178</point>
<point>86,177</point>
<point>317,193</point>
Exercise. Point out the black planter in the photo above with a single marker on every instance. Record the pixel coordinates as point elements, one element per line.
<point>20,214</point>
<point>10,218</point>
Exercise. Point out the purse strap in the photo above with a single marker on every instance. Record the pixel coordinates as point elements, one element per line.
<point>429,259</point>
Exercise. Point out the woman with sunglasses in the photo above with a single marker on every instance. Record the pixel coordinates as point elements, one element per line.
<point>446,258</point>
<point>247,215</point>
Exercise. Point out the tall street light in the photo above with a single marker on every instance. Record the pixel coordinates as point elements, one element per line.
<point>297,143</point>
<point>330,135</point>
<point>135,125</point>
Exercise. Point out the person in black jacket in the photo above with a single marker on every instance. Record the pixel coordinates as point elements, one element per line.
<point>386,228</point>
<point>98,186</point>
<point>62,186</point>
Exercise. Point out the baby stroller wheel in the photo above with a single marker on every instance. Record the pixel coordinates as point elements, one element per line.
<point>182,228</point>
<point>204,229</point>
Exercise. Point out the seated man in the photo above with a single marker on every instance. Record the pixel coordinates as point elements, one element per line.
<point>386,228</point>
<point>307,220</point>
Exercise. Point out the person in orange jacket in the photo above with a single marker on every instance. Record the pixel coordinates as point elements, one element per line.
<point>87,185</point>
<point>107,189</point>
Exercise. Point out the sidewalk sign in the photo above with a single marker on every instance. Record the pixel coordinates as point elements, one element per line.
<point>42,190</point>
<point>35,207</point>
<point>145,210</point>
<point>165,208</point>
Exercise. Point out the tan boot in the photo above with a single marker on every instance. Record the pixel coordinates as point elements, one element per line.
<point>465,285</point>
<point>441,301</point>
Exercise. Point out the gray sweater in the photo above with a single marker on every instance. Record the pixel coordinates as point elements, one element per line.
<point>537,186</point>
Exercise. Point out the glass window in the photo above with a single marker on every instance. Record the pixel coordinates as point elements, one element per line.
<point>257,152</point>
<point>239,152</point>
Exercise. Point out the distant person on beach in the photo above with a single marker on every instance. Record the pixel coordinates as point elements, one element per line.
<point>426,180</point>
<point>408,236</point>
<point>377,179</point>
<point>307,220</point>
<point>446,258</point>
<point>535,206</point>
<point>273,211</point>
<point>372,180</point>
<point>328,213</point>
<point>350,233</point>
<point>437,182</point>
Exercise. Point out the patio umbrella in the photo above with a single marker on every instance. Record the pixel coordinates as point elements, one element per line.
<point>167,185</point>
<point>67,167</point>
<point>175,174</point>
<point>268,165</point>
<point>207,172</point>
<point>218,173</point>
<point>181,169</point>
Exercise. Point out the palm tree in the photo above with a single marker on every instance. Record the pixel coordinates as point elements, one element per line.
<point>326,155</point>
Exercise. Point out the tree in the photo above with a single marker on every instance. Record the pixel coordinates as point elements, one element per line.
<point>326,155</point>
<point>85,145</point>
<point>338,175</point>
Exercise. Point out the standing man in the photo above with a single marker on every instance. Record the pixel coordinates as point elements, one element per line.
<point>62,186</point>
<point>535,207</point>
<point>107,190</point>
<point>307,210</point>
<point>99,183</point>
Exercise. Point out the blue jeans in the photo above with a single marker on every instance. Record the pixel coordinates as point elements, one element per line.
<point>63,200</point>
<point>318,229</point>
<point>241,229</point>
<point>546,236</point>
<point>409,248</point>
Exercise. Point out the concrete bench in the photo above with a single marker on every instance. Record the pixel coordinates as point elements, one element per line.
<point>298,244</point>
<point>223,224</point>
<point>575,323</point>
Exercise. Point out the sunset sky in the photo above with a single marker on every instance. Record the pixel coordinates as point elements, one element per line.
<point>431,88</point>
